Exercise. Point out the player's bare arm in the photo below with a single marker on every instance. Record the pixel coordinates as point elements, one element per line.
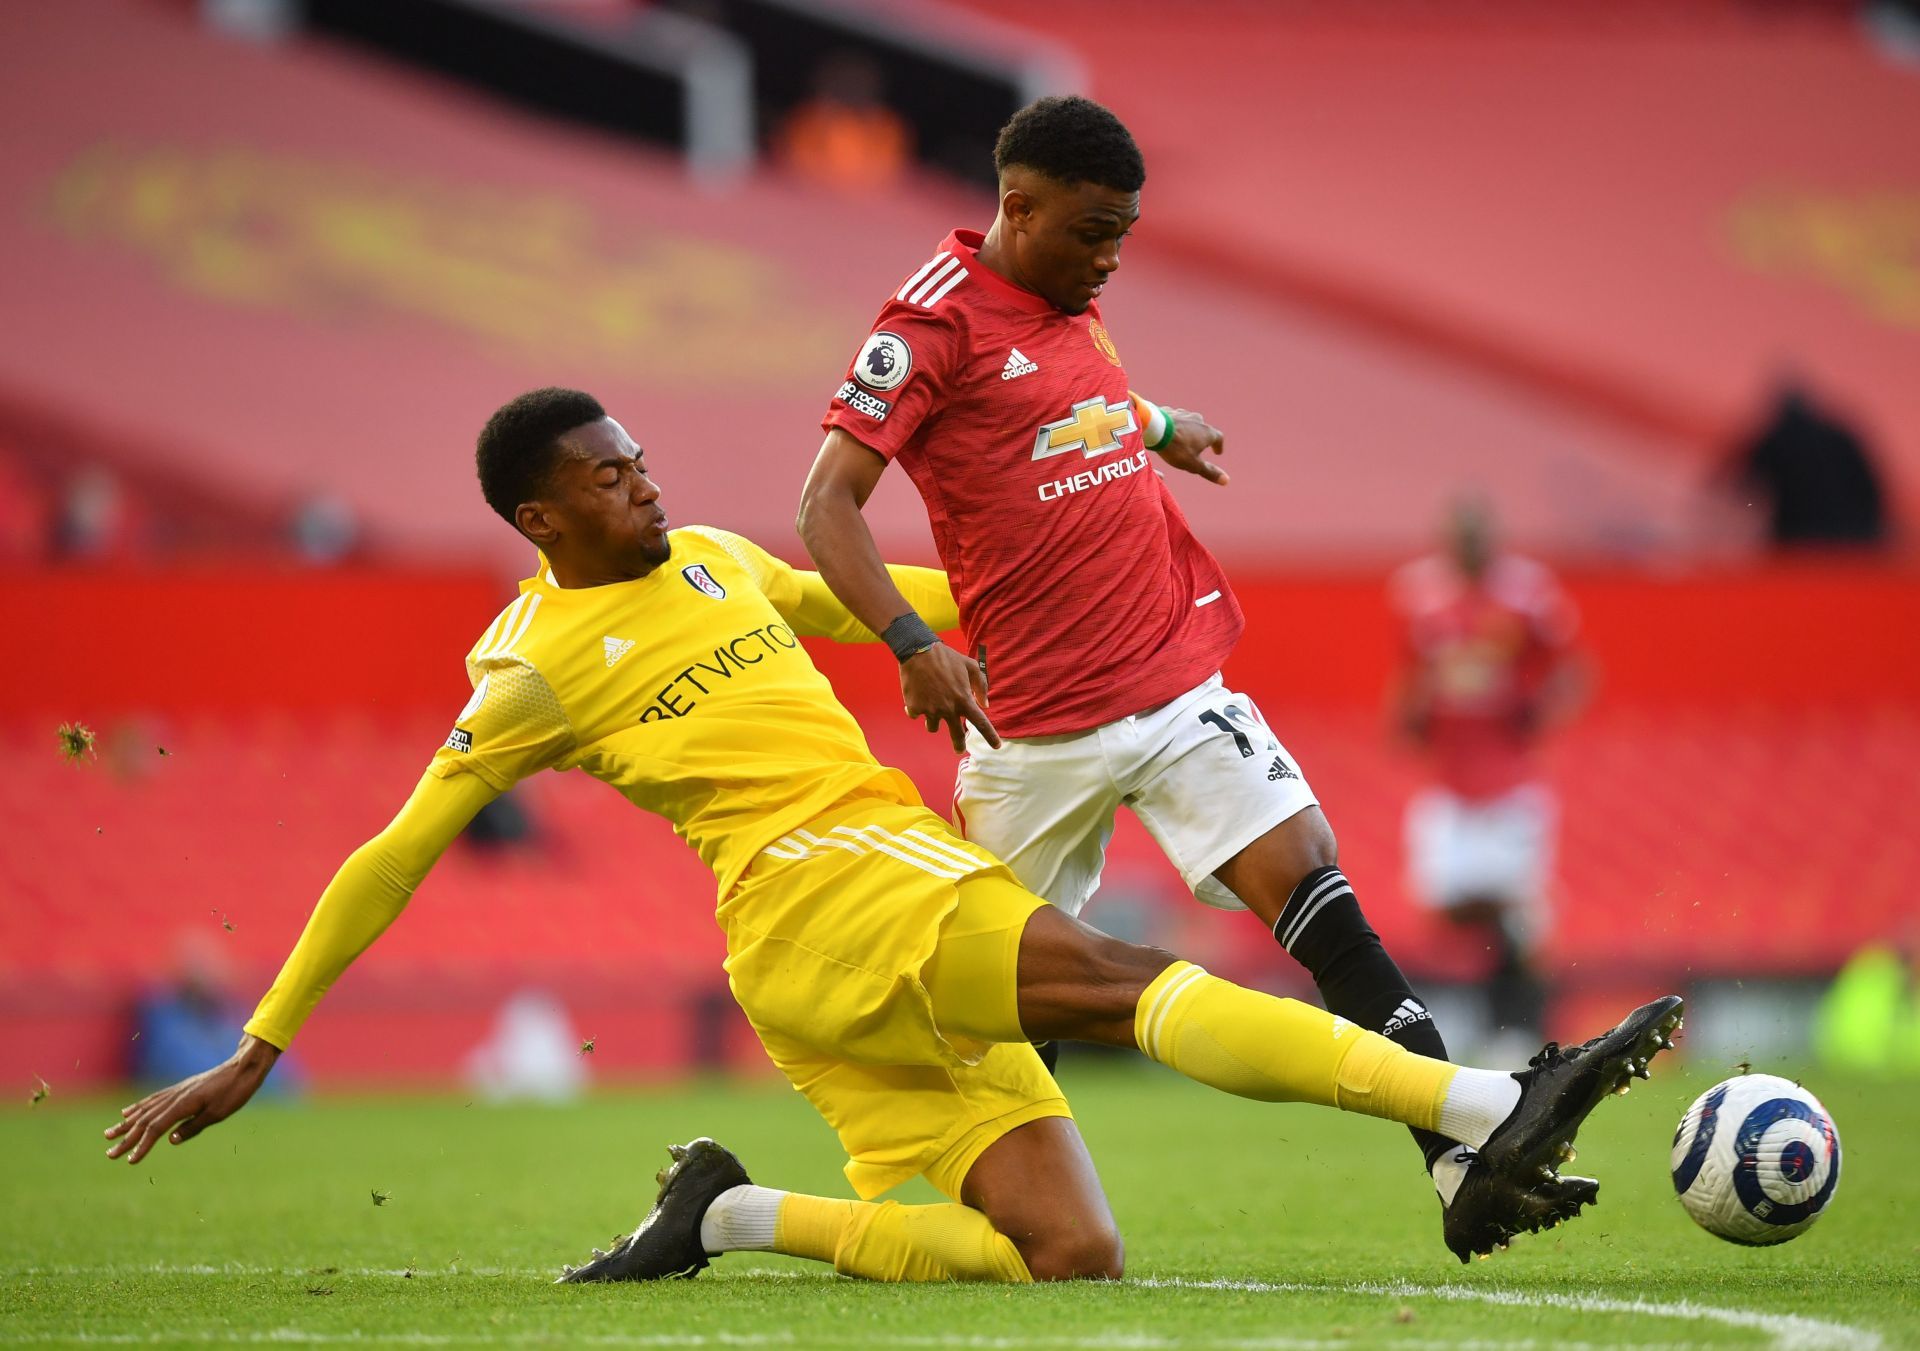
<point>370,889</point>
<point>937,684</point>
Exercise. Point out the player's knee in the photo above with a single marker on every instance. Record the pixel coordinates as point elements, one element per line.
<point>1084,1251</point>
<point>1315,845</point>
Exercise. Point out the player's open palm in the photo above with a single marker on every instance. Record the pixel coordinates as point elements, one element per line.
<point>1193,439</point>
<point>183,1110</point>
<point>942,686</point>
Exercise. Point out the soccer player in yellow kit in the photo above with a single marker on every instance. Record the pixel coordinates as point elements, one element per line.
<point>894,972</point>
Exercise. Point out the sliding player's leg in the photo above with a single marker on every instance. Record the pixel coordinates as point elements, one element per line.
<point>1030,1207</point>
<point>1079,984</point>
<point>995,1137</point>
<point>1009,966</point>
<point>708,1205</point>
<point>1073,982</point>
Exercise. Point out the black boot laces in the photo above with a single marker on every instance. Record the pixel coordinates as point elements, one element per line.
<point>1551,1054</point>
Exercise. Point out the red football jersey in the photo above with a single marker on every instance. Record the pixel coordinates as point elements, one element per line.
<point>1482,652</point>
<point>1073,566</point>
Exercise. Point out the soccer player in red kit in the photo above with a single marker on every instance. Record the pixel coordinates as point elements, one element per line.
<point>1489,667</point>
<point>1102,620</point>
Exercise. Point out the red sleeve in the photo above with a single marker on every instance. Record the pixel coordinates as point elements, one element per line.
<point>898,379</point>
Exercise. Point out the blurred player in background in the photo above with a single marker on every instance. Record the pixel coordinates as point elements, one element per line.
<point>892,970</point>
<point>845,136</point>
<point>1103,621</point>
<point>1490,668</point>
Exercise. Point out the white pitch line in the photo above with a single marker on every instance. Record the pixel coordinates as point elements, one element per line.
<point>1788,1332</point>
<point>1785,1332</point>
<point>1117,1341</point>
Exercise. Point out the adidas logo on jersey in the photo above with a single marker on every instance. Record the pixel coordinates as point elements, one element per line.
<point>1017,365</point>
<point>1279,770</point>
<point>1410,1012</point>
<point>616,648</point>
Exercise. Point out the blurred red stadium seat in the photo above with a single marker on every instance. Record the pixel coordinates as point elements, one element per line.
<point>1761,833</point>
<point>1742,841</point>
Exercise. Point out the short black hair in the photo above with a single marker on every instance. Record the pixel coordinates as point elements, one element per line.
<point>516,447</point>
<point>1071,140</point>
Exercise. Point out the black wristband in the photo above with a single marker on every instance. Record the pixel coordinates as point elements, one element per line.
<point>908,636</point>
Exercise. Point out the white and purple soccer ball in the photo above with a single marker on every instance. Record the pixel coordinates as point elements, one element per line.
<point>1756,1159</point>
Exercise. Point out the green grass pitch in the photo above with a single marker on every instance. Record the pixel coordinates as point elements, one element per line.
<point>1248,1226</point>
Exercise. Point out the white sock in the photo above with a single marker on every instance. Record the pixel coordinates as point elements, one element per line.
<point>741,1219</point>
<point>1477,1102</point>
<point>1450,1170</point>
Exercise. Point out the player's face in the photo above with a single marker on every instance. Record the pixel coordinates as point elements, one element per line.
<point>1070,243</point>
<point>603,503</point>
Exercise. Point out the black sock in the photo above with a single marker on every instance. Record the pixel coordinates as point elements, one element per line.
<point>1322,927</point>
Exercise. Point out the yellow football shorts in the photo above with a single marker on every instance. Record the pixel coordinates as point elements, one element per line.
<point>875,953</point>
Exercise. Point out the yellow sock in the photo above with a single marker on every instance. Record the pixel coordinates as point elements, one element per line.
<point>811,1226</point>
<point>892,1242</point>
<point>1280,1050</point>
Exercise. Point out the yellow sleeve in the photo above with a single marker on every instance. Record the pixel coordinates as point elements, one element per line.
<point>369,891</point>
<point>513,726</point>
<point>805,600</point>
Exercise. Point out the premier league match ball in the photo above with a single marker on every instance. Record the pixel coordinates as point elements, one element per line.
<point>1756,1159</point>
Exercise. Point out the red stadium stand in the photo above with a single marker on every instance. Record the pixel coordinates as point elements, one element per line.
<point>371,231</point>
<point>1765,836</point>
<point>1687,854</point>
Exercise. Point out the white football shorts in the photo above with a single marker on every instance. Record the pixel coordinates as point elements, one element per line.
<point>1203,773</point>
<point>1499,848</point>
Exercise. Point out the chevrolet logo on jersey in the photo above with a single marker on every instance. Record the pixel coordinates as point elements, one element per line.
<point>1094,428</point>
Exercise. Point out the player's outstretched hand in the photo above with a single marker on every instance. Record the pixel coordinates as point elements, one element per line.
<point>1193,437</point>
<point>192,1105</point>
<point>942,686</point>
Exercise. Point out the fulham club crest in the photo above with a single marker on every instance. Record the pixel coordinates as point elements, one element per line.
<point>701,580</point>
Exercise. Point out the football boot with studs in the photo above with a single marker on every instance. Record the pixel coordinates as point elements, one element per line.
<point>667,1244</point>
<point>1514,1185</point>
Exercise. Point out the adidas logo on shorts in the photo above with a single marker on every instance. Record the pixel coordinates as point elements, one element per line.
<point>1018,365</point>
<point>1279,770</point>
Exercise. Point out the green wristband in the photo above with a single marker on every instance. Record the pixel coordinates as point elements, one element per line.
<point>1166,437</point>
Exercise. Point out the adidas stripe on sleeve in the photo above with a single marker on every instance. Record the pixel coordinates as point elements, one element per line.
<point>901,373</point>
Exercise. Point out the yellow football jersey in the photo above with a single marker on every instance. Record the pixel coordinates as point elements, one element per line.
<point>687,690</point>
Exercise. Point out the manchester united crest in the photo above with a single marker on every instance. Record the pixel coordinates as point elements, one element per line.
<point>1098,331</point>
